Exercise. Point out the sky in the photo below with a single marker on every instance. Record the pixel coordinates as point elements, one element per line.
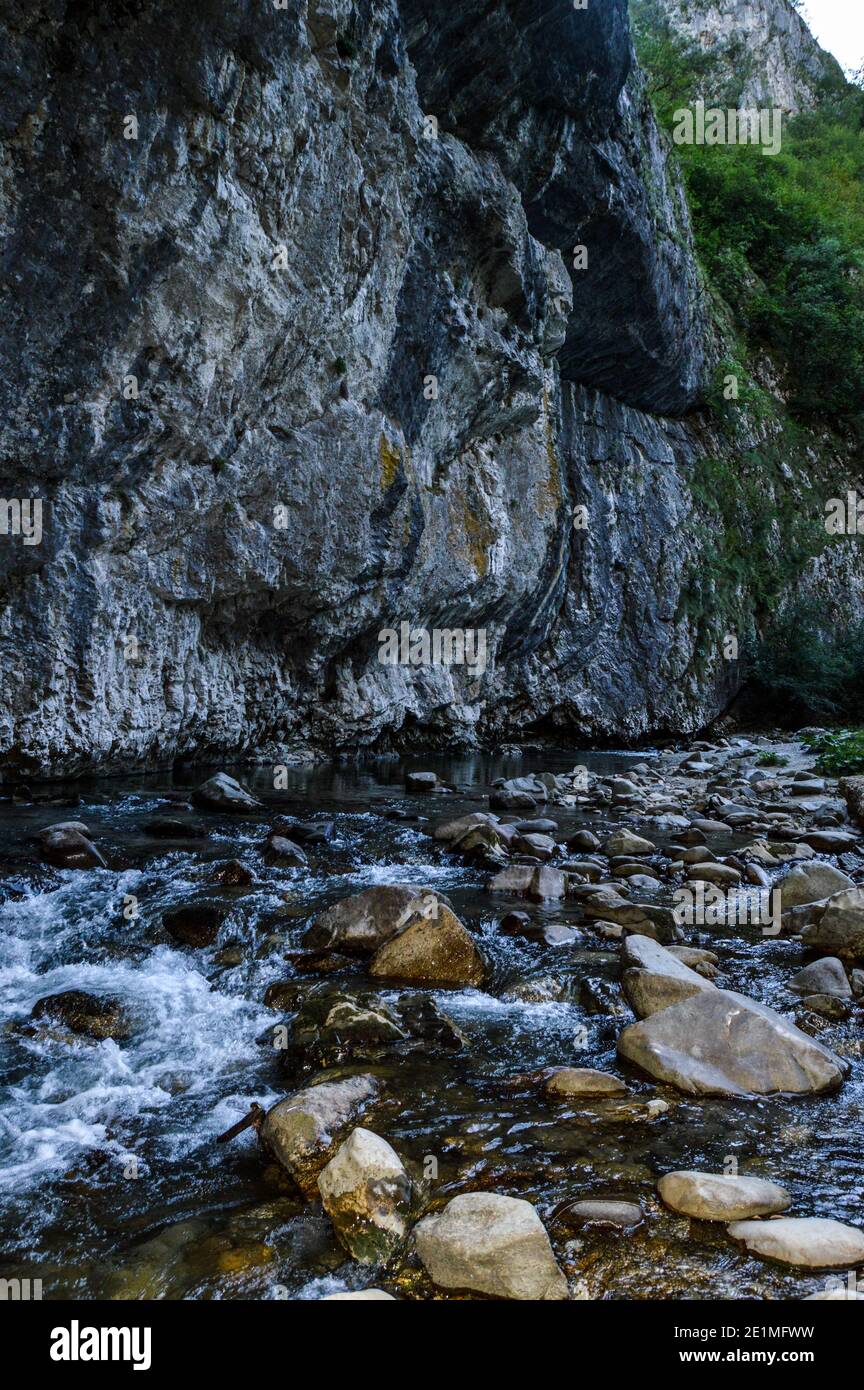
<point>839,27</point>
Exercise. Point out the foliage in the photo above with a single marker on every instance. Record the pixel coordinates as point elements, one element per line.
<point>781,238</point>
<point>840,753</point>
<point>810,671</point>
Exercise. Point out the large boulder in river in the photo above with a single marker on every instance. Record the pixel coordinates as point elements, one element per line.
<point>360,924</point>
<point>810,1242</point>
<point>490,1244</point>
<point>66,845</point>
<point>432,949</point>
<point>722,1197</point>
<point>366,1192</point>
<point>838,930</point>
<point>224,793</point>
<point>303,1132</point>
<point>810,883</point>
<point>718,1043</point>
<point>653,978</point>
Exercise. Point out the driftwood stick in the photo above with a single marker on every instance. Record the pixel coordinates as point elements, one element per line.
<point>250,1121</point>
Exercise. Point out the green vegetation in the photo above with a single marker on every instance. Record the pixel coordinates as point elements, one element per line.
<point>814,673</point>
<point>771,760</point>
<point>840,754</point>
<point>781,239</point>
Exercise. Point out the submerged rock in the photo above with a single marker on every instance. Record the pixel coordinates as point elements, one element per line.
<point>195,924</point>
<point>303,1131</point>
<point>490,1244</point>
<point>224,793</point>
<point>723,1044</point>
<point>565,1082</point>
<point>366,1193</point>
<point>86,1015</point>
<point>361,1296</point>
<point>67,846</point>
<point>603,1213</point>
<point>807,1241</point>
<point>721,1197</point>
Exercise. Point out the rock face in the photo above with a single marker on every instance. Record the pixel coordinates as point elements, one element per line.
<point>366,1193</point>
<point>335,374</point>
<point>718,1043</point>
<point>784,65</point>
<point>490,1244</point>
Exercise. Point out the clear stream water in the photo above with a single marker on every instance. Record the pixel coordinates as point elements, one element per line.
<point>111,1183</point>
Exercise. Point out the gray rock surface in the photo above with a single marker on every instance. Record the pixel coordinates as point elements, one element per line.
<point>366,1192</point>
<point>722,1197</point>
<point>808,1241</point>
<point>286,373</point>
<point>490,1244</point>
<point>721,1043</point>
<point>303,1131</point>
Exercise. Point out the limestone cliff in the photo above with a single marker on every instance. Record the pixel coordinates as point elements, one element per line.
<point>290,362</point>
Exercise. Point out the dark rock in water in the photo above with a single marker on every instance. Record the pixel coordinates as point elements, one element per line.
<point>174,828</point>
<point>66,846</point>
<point>360,924</point>
<point>337,1025</point>
<point>517,924</point>
<point>279,850</point>
<point>584,840</point>
<point>195,924</point>
<point>304,832</point>
<point>224,793</point>
<point>421,781</point>
<point>827,1006</point>
<point>233,875</point>
<point>319,962</point>
<point>86,1015</point>
<point>511,801</point>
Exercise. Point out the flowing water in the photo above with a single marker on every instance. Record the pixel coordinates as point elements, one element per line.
<point>111,1182</point>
